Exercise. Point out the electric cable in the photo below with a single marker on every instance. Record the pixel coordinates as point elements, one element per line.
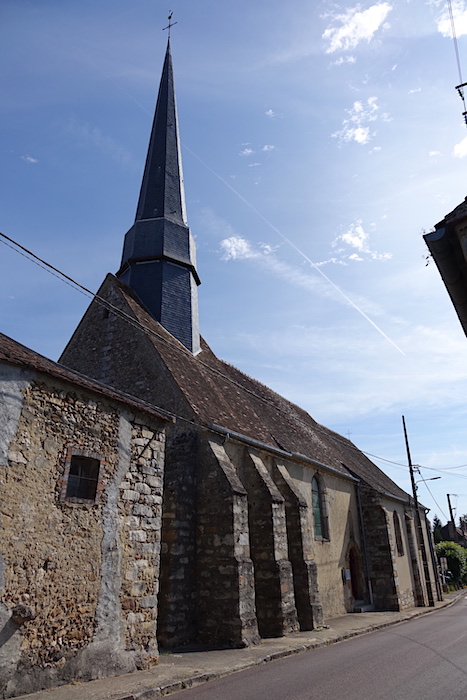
<point>435,501</point>
<point>462,85</point>
<point>122,315</point>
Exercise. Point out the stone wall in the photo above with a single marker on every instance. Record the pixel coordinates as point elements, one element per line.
<point>401,555</point>
<point>79,578</point>
<point>275,599</point>
<point>140,508</point>
<point>327,555</point>
<point>383,572</point>
<point>300,547</point>
<point>110,349</point>
<point>178,616</point>
<point>226,580</point>
<point>415,558</point>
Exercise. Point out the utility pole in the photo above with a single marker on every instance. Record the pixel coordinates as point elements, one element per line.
<point>418,520</point>
<point>454,531</point>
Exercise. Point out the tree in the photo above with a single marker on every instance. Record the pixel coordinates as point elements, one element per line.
<point>457,560</point>
<point>437,525</point>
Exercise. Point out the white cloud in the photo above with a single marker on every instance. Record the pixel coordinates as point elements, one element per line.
<point>354,26</point>
<point>269,113</point>
<point>460,149</point>
<point>333,260</point>
<point>434,153</point>
<point>355,125</point>
<point>29,159</point>
<point>344,59</point>
<point>459,14</point>
<point>357,238</point>
<point>412,92</point>
<point>268,147</point>
<point>236,248</point>
<point>360,134</point>
<point>253,165</point>
<point>247,152</point>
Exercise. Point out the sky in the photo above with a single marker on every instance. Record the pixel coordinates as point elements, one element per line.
<point>319,142</point>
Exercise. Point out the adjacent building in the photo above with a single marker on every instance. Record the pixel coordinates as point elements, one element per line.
<point>448,247</point>
<point>81,483</point>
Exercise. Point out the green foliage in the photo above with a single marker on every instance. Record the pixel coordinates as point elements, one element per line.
<point>457,560</point>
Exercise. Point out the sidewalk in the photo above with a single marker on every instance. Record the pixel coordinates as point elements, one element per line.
<point>176,671</point>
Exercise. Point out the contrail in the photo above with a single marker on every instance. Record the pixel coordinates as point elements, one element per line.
<point>297,249</point>
<point>261,216</point>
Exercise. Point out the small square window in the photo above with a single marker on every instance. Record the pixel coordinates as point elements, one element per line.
<point>83,478</point>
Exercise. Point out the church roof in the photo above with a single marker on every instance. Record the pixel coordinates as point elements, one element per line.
<point>19,355</point>
<point>220,394</point>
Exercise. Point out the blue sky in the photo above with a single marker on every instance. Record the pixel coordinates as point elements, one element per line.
<point>319,141</point>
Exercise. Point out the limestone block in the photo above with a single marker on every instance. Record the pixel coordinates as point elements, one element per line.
<point>129,495</point>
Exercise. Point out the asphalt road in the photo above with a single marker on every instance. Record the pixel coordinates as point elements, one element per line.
<point>424,659</point>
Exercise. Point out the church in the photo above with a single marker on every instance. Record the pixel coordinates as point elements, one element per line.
<point>270,523</point>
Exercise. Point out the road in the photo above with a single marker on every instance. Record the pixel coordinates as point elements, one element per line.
<point>424,659</point>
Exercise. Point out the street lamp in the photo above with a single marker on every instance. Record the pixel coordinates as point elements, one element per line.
<point>432,478</point>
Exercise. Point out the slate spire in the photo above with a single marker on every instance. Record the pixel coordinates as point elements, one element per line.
<point>159,258</point>
<point>162,192</point>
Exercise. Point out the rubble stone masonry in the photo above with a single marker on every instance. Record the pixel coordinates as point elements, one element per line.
<point>78,578</point>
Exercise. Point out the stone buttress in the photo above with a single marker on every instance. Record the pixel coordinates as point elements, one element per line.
<point>305,572</point>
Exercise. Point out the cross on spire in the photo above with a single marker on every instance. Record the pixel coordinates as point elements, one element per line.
<point>170,24</point>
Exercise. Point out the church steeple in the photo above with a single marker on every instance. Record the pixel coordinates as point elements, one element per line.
<point>162,193</point>
<point>159,258</point>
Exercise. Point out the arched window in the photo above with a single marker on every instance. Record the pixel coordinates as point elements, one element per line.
<point>398,533</point>
<point>319,516</point>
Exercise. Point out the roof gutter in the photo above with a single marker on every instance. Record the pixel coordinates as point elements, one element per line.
<point>275,450</point>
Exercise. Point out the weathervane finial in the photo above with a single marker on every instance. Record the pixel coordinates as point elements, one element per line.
<point>170,24</point>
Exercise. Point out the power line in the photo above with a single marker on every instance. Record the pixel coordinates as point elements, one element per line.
<point>462,85</point>
<point>454,37</point>
<point>63,277</point>
<point>435,501</point>
<point>445,471</point>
